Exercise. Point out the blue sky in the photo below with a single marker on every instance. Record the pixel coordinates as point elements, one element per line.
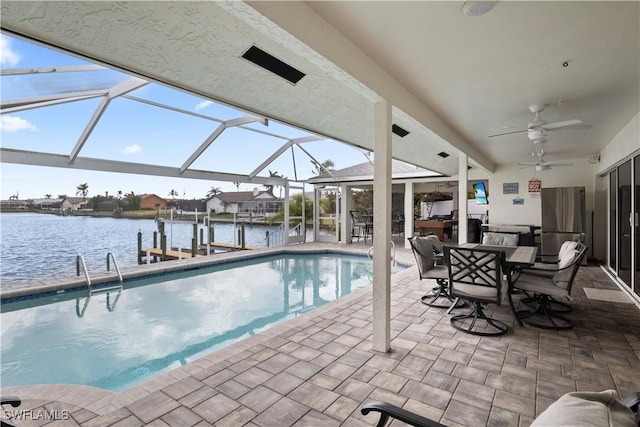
<point>133,132</point>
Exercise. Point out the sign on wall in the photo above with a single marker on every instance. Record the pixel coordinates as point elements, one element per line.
<point>534,187</point>
<point>510,188</point>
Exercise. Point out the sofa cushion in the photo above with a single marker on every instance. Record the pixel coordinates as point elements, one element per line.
<point>587,409</point>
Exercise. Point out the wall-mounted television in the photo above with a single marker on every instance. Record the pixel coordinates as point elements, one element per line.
<point>481,193</point>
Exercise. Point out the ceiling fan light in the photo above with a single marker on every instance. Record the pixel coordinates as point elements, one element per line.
<point>537,134</point>
<point>477,8</point>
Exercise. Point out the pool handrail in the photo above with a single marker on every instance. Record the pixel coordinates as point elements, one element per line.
<point>115,265</point>
<point>393,253</point>
<point>80,261</point>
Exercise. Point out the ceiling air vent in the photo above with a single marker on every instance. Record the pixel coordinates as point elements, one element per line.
<point>399,131</point>
<point>273,64</point>
<point>443,154</point>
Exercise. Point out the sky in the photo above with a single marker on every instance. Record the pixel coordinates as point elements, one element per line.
<point>136,132</point>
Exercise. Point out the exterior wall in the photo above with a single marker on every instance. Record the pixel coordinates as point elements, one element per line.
<point>67,205</point>
<point>153,202</point>
<point>215,205</point>
<point>503,211</point>
<point>501,207</point>
<point>626,142</point>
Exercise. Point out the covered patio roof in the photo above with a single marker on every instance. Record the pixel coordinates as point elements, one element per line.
<point>364,172</point>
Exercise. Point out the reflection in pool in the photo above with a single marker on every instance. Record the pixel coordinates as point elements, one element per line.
<point>147,330</point>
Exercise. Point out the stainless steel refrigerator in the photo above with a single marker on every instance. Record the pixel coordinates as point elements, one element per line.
<point>564,218</point>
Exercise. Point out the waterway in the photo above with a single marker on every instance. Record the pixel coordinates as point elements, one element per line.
<point>37,246</point>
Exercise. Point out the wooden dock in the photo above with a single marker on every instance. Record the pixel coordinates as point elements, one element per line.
<point>173,255</point>
<point>229,246</point>
<point>170,255</point>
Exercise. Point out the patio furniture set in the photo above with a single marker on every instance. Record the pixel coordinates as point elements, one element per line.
<point>480,274</point>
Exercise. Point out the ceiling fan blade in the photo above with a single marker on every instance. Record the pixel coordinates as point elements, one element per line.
<point>508,133</point>
<point>558,164</point>
<point>527,164</point>
<point>551,126</point>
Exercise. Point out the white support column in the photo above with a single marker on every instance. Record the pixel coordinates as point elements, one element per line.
<point>463,176</point>
<point>316,214</point>
<point>346,201</point>
<point>409,222</point>
<point>381,301</point>
<point>285,227</point>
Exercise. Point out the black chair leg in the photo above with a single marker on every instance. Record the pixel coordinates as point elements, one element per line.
<point>467,322</point>
<point>441,291</point>
<point>546,317</point>
<point>555,305</point>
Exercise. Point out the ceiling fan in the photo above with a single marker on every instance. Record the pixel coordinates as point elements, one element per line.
<point>537,129</point>
<point>543,165</point>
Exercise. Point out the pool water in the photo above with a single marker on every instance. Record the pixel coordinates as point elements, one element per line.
<point>160,323</point>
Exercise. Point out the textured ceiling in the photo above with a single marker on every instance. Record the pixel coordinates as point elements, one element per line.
<point>453,80</point>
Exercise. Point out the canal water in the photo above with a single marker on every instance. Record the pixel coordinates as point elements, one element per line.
<point>38,246</point>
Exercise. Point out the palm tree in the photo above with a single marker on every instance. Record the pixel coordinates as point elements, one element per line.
<point>213,191</point>
<point>173,194</point>
<point>327,165</point>
<point>82,189</point>
<point>119,194</point>
<point>273,174</point>
<point>47,196</point>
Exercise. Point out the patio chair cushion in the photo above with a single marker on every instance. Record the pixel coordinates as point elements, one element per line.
<point>482,292</point>
<point>501,239</point>
<point>587,409</point>
<point>427,246</point>
<point>562,277</point>
<point>541,285</point>
<point>569,245</point>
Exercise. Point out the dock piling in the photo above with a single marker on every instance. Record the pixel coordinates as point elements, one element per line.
<point>139,248</point>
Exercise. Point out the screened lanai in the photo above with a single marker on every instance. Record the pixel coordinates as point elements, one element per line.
<point>63,111</point>
<point>75,114</point>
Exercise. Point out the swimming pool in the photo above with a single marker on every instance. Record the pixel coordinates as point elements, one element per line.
<point>117,343</point>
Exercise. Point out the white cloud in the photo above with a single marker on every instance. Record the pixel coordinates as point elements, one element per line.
<point>8,57</point>
<point>132,149</point>
<point>201,106</point>
<point>15,124</point>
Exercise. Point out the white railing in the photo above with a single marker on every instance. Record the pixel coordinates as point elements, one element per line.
<point>393,253</point>
<point>275,238</point>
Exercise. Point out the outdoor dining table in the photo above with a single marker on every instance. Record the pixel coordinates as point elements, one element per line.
<point>515,257</point>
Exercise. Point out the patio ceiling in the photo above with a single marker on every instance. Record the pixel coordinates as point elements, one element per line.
<point>453,79</point>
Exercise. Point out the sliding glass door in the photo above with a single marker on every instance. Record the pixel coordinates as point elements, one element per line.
<point>636,222</point>
<point>624,226</point>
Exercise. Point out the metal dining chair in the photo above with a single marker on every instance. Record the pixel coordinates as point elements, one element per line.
<point>476,276</point>
<point>547,287</point>
<point>430,261</point>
